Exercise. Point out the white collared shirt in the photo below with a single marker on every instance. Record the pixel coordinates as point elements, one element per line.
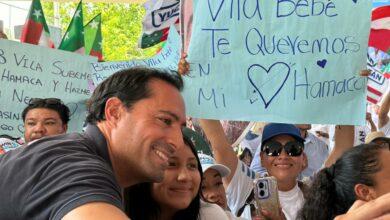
<point>317,152</point>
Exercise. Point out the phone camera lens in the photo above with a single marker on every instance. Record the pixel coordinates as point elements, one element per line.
<point>261,185</point>
<point>262,193</point>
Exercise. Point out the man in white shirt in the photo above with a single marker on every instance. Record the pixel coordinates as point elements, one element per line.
<point>315,149</point>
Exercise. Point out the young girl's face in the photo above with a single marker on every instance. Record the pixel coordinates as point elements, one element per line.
<point>212,188</point>
<point>181,182</point>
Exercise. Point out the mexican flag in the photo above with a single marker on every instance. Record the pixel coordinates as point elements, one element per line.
<point>73,39</point>
<point>159,16</point>
<point>35,30</point>
<point>149,40</point>
<point>93,37</point>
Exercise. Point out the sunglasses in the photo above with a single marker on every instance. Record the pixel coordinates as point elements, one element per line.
<point>274,148</point>
<point>49,101</point>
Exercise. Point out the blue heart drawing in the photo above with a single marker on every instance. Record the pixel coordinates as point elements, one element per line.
<point>260,70</point>
<point>322,63</point>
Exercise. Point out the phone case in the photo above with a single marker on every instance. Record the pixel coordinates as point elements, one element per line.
<point>266,195</point>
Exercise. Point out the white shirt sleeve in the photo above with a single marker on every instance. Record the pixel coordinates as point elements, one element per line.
<point>386,129</point>
<point>240,187</point>
<point>209,211</point>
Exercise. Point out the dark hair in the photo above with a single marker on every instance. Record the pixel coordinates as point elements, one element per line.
<point>140,205</point>
<point>49,103</point>
<point>245,152</point>
<point>332,192</point>
<point>129,85</point>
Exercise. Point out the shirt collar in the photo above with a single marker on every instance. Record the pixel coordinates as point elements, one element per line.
<point>93,133</point>
<point>309,138</point>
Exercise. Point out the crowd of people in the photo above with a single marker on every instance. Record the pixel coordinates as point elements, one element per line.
<point>137,160</point>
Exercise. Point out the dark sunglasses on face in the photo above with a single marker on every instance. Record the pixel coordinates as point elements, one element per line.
<point>274,148</point>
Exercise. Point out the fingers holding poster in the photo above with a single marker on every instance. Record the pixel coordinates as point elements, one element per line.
<point>281,61</point>
<point>28,71</point>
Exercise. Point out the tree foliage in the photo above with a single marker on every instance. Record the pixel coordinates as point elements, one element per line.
<point>121,27</point>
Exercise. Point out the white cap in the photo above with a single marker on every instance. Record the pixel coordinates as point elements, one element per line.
<point>208,162</point>
<point>372,136</point>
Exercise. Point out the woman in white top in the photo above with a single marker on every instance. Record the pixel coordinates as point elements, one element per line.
<point>283,157</point>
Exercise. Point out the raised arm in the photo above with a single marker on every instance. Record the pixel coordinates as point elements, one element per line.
<point>223,152</point>
<point>344,136</point>
<point>372,124</point>
<point>383,111</point>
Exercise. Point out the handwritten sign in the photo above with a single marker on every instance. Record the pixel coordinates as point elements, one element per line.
<point>168,58</point>
<point>28,71</point>
<point>293,61</point>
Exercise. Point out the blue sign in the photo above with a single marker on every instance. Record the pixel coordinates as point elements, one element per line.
<point>29,71</point>
<point>293,61</point>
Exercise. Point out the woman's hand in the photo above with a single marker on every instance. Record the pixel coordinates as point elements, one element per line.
<point>271,216</point>
<point>378,209</point>
<point>183,66</point>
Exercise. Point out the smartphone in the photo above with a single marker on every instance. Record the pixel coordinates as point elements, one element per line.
<point>266,195</point>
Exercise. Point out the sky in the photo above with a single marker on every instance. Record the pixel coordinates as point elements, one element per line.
<point>377,3</point>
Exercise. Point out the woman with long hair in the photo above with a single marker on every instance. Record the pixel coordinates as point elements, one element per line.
<point>176,197</point>
<point>361,173</point>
